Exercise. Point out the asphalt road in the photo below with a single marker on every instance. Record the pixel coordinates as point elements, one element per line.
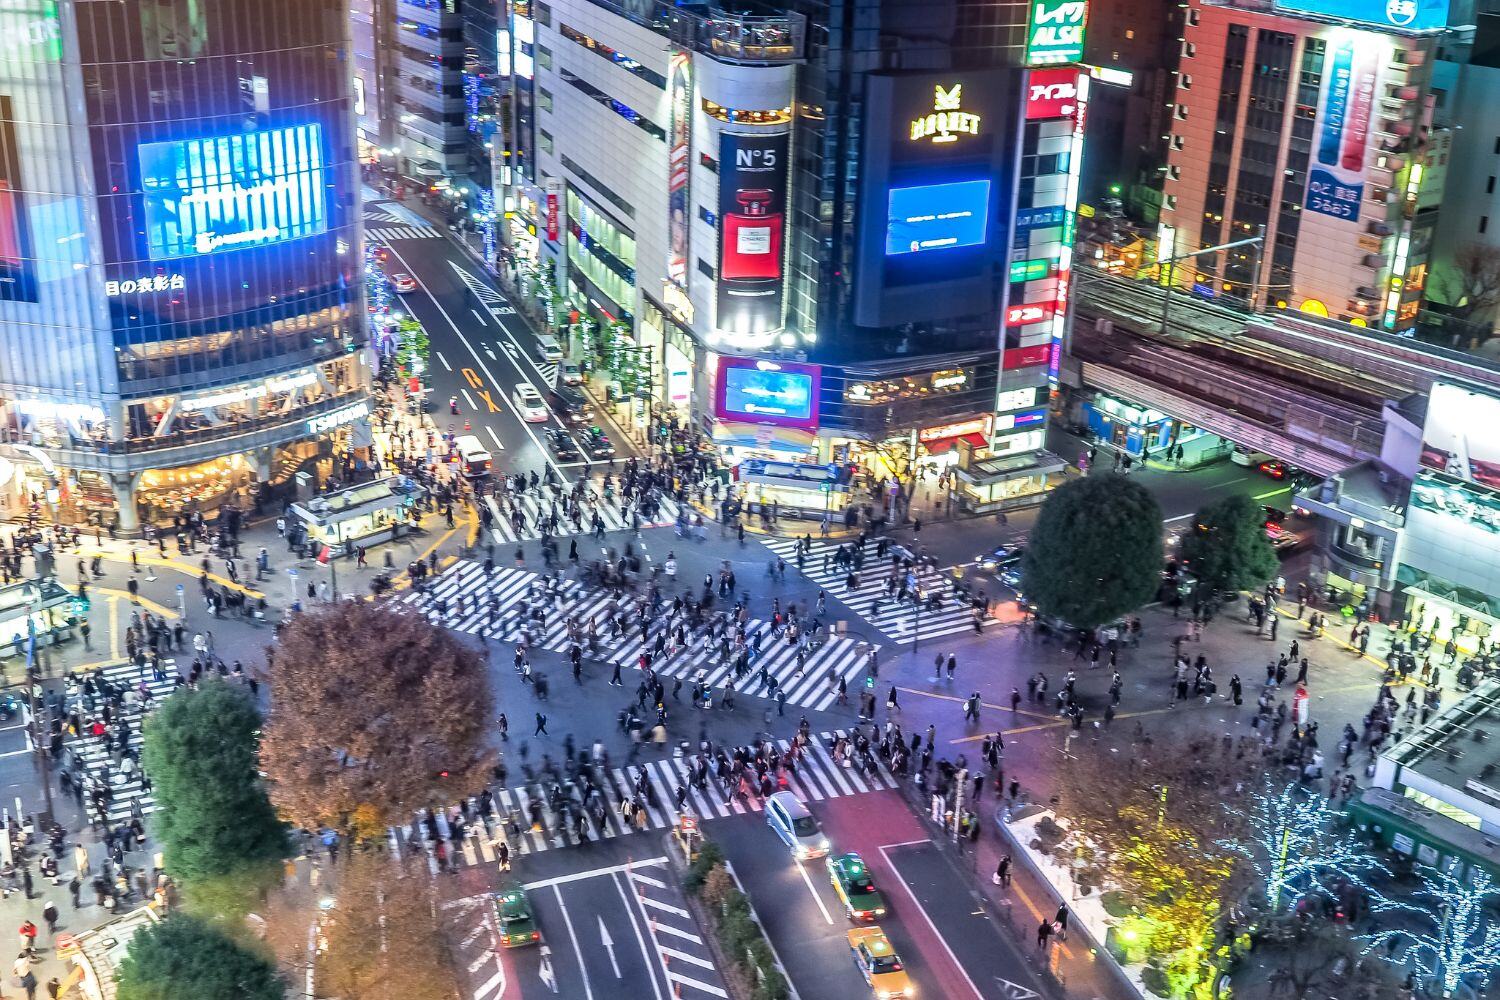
<point>481,349</point>
<point>612,924</point>
<point>948,950</point>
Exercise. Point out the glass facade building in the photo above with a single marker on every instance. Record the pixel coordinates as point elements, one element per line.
<point>180,221</point>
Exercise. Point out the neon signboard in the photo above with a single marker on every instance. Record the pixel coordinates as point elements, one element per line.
<point>231,192</point>
<point>947,120</point>
<point>937,217</point>
<point>1055,34</point>
<point>1413,15</point>
<point>771,392</point>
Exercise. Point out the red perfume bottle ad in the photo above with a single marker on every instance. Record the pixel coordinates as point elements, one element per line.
<point>752,238</point>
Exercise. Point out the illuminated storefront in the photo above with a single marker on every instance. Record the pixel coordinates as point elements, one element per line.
<point>199,300</point>
<point>1134,429</point>
<point>364,515</point>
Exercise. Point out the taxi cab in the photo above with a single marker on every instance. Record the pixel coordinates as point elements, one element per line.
<point>517,926</point>
<point>879,963</point>
<point>852,884</point>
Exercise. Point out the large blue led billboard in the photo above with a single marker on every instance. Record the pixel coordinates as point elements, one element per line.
<point>229,192</point>
<point>937,217</point>
<point>1413,15</point>
<point>772,392</point>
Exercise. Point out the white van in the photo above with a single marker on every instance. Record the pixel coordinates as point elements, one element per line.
<point>472,455</point>
<point>1248,457</point>
<point>547,348</point>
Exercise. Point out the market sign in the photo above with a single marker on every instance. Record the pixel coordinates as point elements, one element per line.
<point>146,283</point>
<point>328,421</point>
<point>1030,270</point>
<point>1031,312</point>
<point>260,391</point>
<point>947,120</point>
<point>1056,32</point>
<point>979,425</point>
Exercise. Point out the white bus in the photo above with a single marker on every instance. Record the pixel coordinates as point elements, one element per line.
<point>476,461</point>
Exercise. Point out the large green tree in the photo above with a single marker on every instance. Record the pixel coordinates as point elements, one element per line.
<point>1228,548</point>
<point>214,819</point>
<point>186,957</point>
<point>1096,551</point>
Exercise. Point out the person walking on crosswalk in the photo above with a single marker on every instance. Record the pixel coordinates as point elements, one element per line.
<point>541,724</point>
<point>971,708</point>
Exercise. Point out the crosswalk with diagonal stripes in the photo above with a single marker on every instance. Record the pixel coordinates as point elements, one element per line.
<point>499,604</point>
<point>533,510</point>
<point>880,604</point>
<point>384,234</point>
<point>525,821</point>
<point>96,763</point>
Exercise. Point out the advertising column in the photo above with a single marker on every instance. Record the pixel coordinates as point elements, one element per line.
<point>752,231</point>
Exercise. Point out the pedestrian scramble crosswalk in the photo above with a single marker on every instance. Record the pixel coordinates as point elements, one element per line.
<point>899,619</point>
<point>384,234</point>
<point>505,527</point>
<point>523,819</point>
<point>93,761</point>
<point>808,673</point>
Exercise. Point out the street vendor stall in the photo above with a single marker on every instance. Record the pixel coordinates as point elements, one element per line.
<point>368,514</point>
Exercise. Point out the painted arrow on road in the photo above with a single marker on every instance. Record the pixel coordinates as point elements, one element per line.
<point>511,349</point>
<point>1015,991</point>
<point>609,946</point>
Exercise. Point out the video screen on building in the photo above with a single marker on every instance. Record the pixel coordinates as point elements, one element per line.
<point>1460,438</point>
<point>767,391</point>
<point>233,191</point>
<point>17,275</point>
<point>937,217</point>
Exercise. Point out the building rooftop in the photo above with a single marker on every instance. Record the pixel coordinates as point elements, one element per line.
<point>1460,747</point>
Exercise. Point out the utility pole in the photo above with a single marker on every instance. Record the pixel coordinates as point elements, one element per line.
<point>1170,262</point>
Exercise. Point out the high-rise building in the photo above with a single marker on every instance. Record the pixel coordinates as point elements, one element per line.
<point>1307,123</point>
<point>428,97</point>
<point>181,307</point>
<point>795,224</point>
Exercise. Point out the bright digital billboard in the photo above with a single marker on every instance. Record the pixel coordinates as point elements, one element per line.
<point>772,392</point>
<point>1459,437</point>
<point>230,192</point>
<point>1414,15</point>
<point>937,217</point>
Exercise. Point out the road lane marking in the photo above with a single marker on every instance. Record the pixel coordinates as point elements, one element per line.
<point>682,956</point>
<point>657,904</point>
<point>482,320</point>
<point>930,925</point>
<point>489,401</point>
<point>622,887</point>
<point>1179,517</point>
<point>577,951</point>
<point>496,437</point>
<point>443,360</point>
<point>472,377</point>
<point>810,888</point>
<point>709,988</point>
<point>492,354</point>
<point>678,932</point>
<point>546,455</point>
<point>591,873</point>
<point>469,399</point>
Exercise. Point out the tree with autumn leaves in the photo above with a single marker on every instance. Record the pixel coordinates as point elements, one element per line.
<point>376,713</point>
<point>1151,825</point>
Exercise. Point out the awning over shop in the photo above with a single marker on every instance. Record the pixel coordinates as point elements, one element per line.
<point>941,445</point>
<point>765,437</point>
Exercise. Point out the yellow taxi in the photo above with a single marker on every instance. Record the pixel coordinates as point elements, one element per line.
<point>879,964</point>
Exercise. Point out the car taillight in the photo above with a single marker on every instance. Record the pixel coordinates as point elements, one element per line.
<point>536,935</point>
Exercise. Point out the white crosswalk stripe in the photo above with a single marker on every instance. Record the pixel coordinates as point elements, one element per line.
<point>384,234</point>
<point>616,516</point>
<point>97,762</point>
<point>871,600</point>
<point>465,599</point>
<point>467,843</point>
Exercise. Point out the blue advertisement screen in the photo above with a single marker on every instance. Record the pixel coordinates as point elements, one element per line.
<point>756,393</point>
<point>1415,15</point>
<point>233,191</point>
<point>937,217</point>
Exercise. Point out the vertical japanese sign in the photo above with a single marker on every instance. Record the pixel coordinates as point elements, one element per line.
<point>1336,180</point>
<point>554,209</point>
<point>17,266</point>
<point>680,87</point>
<point>752,228</point>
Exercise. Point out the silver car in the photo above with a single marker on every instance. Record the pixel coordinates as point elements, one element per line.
<point>795,825</point>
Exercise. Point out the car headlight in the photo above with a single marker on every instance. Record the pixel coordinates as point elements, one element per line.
<point>823,843</point>
<point>880,911</point>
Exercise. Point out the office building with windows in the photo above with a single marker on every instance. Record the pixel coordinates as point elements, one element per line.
<point>1312,131</point>
<point>181,307</point>
<point>799,233</point>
